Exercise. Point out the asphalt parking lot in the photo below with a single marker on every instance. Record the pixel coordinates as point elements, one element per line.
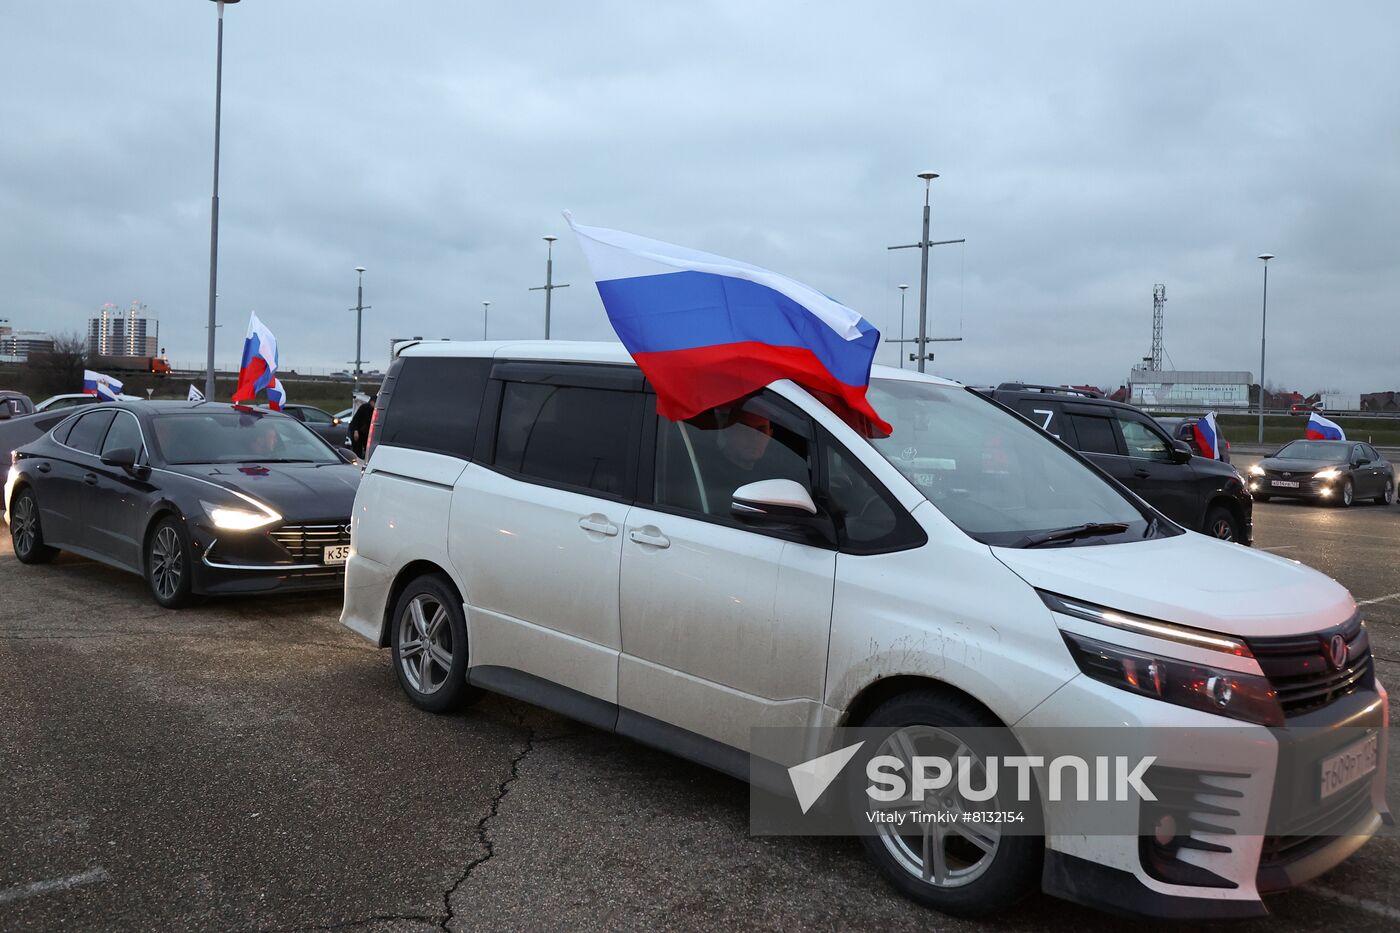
<point>252,765</point>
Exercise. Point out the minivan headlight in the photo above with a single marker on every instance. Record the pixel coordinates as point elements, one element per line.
<point>237,518</point>
<point>1246,697</point>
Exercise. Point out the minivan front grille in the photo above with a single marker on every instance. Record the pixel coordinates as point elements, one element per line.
<point>306,542</point>
<point>1302,671</point>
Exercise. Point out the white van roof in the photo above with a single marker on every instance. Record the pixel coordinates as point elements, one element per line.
<point>590,351</point>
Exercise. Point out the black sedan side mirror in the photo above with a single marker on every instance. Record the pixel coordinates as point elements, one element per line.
<point>125,458</point>
<point>1181,452</point>
<point>347,455</point>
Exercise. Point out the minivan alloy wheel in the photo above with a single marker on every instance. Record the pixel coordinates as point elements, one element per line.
<point>945,855</point>
<point>167,562</point>
<point>425,643</point>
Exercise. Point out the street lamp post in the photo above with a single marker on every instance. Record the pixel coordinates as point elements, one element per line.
<point>485,318</point>
<point>548,287</point>
<point>923,340</point>
<point>359,309</point>
<point>1263,333</point>
<point>214,205</point>
<point>902,290</point>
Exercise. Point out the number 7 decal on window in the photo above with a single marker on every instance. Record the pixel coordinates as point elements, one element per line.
<point>1049,415</point>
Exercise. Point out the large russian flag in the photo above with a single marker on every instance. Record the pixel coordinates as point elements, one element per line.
<point>1207,436</point>
<point>258,367</point>
<point>1320,429</point>
<point>706,330</point>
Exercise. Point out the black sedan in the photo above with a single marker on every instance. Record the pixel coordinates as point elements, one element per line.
<point>329,426</point>
<point>196,497</point>
<point>1336,472</point>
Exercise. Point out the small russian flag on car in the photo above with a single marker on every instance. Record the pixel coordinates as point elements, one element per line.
<point>1320,429</point>
<point>1207,436</point>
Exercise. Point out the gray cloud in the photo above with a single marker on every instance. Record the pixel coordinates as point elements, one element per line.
<point>1089,150</point>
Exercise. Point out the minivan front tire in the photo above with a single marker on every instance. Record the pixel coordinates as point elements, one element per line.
<point>429,642</point>
<point>968,881</point>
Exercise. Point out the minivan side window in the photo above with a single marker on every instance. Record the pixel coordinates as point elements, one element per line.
<point>433,403</point>
<point>700,462</point>
<point>869,520</point>
<point>568,436</point>
<point>87,434</point>
<point>1095,434</point>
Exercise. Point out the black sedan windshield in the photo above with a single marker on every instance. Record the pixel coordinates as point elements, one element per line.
<point>237,437</point>
<point>1328,451</point>
<point>994,475</point>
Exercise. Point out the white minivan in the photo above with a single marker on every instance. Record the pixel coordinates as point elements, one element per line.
<point>528,525</point>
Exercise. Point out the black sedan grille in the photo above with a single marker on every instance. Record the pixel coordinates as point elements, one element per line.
<point>306,543</point>
<point>1300,668</point>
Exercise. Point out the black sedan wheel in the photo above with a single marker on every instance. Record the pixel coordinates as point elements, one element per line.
<point>26,534</point>
<point>1387,497</point>
<point>1346,495</point>
<point>168,570</point>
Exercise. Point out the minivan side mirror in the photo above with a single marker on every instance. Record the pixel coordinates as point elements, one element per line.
<point>782,500</point>
<point>1181,452</point>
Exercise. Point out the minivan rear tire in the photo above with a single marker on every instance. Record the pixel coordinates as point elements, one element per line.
<point>428,637</point>
<point>1016,863</point>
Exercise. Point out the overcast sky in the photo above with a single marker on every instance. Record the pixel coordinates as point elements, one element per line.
<point>1087,152</point>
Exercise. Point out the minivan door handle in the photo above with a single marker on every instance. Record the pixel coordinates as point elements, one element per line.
<point>598,524</point>
<point>649,535</point>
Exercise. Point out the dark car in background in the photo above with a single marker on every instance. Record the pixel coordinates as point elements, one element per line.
<point>14,404</point>
<point>1334,472</point>
<point>196,497</point>
<point>330,427</point>
<point>1126,443</point>
<point>1183,429</point>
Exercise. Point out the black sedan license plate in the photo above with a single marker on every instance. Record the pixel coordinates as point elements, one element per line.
<point>335,554</point>
<point>1349,765</point>
<point>1286,483</point>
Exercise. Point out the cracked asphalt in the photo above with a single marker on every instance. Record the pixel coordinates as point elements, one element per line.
<point>251,765</point>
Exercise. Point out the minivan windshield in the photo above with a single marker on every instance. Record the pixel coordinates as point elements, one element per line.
<point>995,475</point>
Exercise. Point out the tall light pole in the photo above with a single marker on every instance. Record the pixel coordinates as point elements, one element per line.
<point>214,206</point>
<point>1263,333</point>
<point>548,287</point>
<point>485,317</point>
<point>922,341</point>
<point>902,290</point>
<point>359,309</point>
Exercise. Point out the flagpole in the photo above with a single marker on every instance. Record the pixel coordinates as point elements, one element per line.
<point>1263,332</point>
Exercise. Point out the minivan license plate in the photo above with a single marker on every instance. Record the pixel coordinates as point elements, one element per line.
<point>1286,483</point>
<point>335,554</point>
<point>1349,765</point>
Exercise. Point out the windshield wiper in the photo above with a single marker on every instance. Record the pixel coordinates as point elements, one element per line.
<point>1090,530</point>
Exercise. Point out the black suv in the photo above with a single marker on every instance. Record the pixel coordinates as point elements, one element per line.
<point>1127,444</point>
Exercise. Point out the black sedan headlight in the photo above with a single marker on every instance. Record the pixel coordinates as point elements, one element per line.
<point>241,516</point>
